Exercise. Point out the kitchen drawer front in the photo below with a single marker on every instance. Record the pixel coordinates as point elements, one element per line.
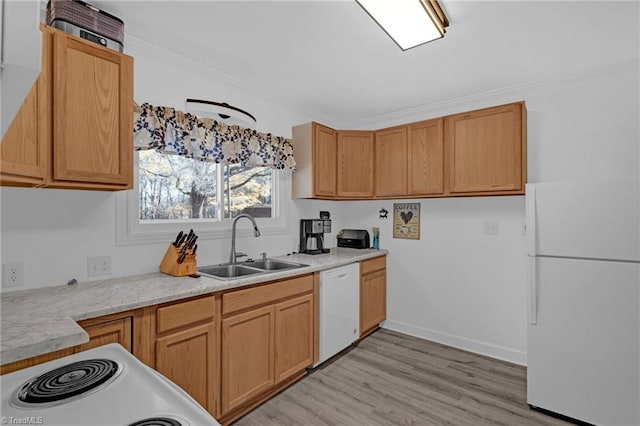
<point>184,313</point>
<point>370,265</point>
<point>243,299</point>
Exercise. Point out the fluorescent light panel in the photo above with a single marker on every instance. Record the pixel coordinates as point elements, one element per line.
<point>408,22</point>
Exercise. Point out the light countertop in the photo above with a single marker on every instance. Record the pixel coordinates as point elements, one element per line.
<point>39,321</point>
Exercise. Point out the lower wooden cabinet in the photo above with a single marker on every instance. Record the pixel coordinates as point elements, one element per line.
<point>373,294</point>
<point>248,349</point>
<point>115,328</point>
<point>187,358</point>
<point>103,333</point>
<point>267,341</point>
<point>186,348</point>
<point>30,362</point>
<point>294,336</point>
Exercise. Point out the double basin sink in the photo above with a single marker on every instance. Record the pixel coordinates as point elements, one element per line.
<point>227,271</point>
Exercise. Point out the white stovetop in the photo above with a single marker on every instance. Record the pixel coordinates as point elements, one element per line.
<point>135,394</point>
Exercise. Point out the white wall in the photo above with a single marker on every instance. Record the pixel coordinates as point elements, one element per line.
<point>53,231</point>
<point>456,285</point>
<point>460,287</point>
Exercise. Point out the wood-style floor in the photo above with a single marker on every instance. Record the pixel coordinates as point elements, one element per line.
<point>395,379</point>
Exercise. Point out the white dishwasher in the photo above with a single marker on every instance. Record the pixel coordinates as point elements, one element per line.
<point>339,309</point>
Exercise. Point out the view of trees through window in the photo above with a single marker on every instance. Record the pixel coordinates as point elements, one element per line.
<point>173,187</point>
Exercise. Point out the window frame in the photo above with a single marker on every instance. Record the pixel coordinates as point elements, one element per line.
<point>130,231</point>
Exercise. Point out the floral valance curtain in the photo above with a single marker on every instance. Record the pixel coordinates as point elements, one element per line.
<point>168,130</point>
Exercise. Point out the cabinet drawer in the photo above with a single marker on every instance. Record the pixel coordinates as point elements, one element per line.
<point>244,299</point>
<point>184,313</point>
<point>371,265</point>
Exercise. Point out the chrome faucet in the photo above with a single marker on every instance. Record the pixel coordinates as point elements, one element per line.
<point>256,233</point>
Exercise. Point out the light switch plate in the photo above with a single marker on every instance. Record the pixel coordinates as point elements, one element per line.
<point>99,265</point>
<point>490,227</point>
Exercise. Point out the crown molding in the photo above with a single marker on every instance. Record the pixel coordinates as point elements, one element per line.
<point>513,91</point>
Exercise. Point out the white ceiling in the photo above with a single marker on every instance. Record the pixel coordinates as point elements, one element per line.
<point>330,60</point>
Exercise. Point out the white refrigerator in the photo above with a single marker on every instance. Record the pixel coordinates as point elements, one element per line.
<point>583,336</point>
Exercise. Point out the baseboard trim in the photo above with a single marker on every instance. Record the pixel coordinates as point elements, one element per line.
<point>482,348</point>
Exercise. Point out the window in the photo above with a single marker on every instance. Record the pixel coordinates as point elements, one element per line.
<point>174,193</point>
<point>172,187</point>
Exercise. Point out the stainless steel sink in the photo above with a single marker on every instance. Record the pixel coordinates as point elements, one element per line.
<point>273,265</point>
<point>228,271</point>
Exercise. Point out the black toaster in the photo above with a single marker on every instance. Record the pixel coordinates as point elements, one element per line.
<point>353,238</point>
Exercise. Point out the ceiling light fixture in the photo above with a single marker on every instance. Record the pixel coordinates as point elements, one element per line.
<point>409,23</point>
<point>221,111</point>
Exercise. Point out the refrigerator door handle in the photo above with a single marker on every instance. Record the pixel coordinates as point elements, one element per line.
<point>533,290</point>
<point>530,201</point>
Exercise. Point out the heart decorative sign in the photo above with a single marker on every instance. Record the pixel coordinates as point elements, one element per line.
<point>406,221</point>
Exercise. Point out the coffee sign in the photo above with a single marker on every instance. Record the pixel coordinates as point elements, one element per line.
<point>406,221</point>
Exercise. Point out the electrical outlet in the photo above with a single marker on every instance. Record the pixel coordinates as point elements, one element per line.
<point>99,265</point>
<point>12,275</point>
<point>490,227</point>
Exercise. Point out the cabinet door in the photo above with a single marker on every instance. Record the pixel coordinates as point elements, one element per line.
<point>247,356</point>
<point>30,362</point>
<point>187,358</point>
<point>485,151</point>
<point>391,162</point>
<point>116,331</point>
<point>294,336</point>
<point>92,113</point>
<point>22,152</point>
<point>324,161</point>
<point>425,156</point>
<point>373,300</point>
<point>355,164</point>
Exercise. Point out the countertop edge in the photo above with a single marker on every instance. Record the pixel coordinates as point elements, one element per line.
<point>74,334</point>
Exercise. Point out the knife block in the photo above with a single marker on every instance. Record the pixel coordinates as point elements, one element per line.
<point>170,265</point>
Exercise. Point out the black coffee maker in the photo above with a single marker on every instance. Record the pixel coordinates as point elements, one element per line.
<point>312,236</point>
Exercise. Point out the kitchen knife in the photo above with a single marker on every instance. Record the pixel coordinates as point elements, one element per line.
<point>176,243</point>
<point>192,241</point>
<point>195,248</point>
<point>182,240</point>
<point>182,256</point>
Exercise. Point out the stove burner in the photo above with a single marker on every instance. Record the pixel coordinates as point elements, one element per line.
<point>66,383</point>
<point>157,421</point>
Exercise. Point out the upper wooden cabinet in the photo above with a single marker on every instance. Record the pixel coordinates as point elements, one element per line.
<point>355,164</point>
<point>410,160</point>
<point>482,152</point>
<point>75,128</point>
<point>391,162</point>
<point>425,158</point>
<point>486,151</point>
<point>23,155</point>
<point>315,148</point>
